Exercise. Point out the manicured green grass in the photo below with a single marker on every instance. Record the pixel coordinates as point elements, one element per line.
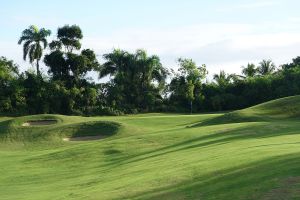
<point>248,154</point>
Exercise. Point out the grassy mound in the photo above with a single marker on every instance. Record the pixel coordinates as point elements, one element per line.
<point>279,109</point>
<point>13,130</point>
<point>288,107</point>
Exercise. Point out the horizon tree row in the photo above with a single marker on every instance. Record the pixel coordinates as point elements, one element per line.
<point>138,81</point>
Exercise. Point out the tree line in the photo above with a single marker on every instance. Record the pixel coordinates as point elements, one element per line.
<point>138,81</point>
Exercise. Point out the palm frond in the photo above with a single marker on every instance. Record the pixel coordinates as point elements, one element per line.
<point>26,48</point>
<point>31,53</point>
<point>24,38</point>
<point>45,42</point>
<point>107,69</point>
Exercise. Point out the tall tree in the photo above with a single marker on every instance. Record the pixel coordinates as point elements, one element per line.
<point>32,48</point>
<point>116,63</point>
<point>266,67</point>
<point>135,76</point>
<point>68,66</point>
<point>250,70</point>
<point>63,63</point>
<point>150,68</point>
<point>68,37</point>
<point>223,79</point>
<point>186,83</point>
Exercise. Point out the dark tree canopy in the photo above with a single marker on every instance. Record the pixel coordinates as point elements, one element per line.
<point>68,37</point>
<point>66,65</point>
<point>250,70</point>
<point>134,78</point>
<point>266,67</point>
<point>295,64</point>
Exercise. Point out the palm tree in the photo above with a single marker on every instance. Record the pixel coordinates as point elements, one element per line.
<point>266,67</point>
<point>135,74</point>
<point>222,78</point>
<point>32,38</point>
<point>250,70</point>
<point>150,68</point>
<point>123,64</point>
<point>115,63</point>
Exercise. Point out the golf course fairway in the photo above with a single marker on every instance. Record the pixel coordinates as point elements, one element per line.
<point>248,154</point>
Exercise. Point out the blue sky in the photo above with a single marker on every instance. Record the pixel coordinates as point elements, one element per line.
<point>221,34</point>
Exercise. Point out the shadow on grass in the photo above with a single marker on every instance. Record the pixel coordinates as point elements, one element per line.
<point>252,131</point>
<point>274,178</point>
<point>4,128</point>
<point>103,128</point>
<point>229,118</point>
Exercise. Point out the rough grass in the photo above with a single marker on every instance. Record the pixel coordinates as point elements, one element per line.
<point>248,154</point>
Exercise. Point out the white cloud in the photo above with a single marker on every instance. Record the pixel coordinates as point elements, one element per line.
<point>219,46</point>
<point>173,41</point>
<point>276,40</point>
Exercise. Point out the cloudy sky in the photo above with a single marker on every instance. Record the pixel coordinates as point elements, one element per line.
<point>223,34</point>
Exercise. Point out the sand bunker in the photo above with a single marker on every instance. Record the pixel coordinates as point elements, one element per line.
<point>85,138</point>
<point>40,122</point>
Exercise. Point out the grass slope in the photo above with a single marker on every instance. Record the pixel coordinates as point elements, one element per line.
<point>281,109</point>
<point>248,154</point>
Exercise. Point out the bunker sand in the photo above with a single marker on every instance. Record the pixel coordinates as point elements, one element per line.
<point>85,138</point>
<point>40,122</point>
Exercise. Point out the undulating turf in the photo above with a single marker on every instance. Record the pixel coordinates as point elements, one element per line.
<point>248,154</point>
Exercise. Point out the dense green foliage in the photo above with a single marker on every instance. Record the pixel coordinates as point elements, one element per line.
<point>138,81</point>
<point>185,86</point>
<point>155,156</point>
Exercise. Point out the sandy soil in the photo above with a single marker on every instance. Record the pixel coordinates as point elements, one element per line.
<point>86,138</point>
<point>40,122</point>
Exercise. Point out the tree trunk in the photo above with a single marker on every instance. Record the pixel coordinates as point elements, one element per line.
<point>191,107</point>
<point>37,67</point>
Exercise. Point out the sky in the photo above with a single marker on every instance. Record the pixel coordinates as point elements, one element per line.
<point>223,34</point>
